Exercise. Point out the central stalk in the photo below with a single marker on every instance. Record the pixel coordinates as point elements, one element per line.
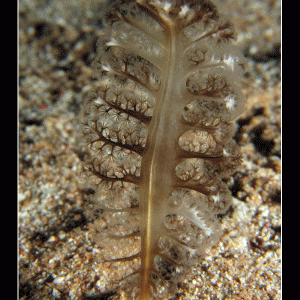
<point>158,164</point>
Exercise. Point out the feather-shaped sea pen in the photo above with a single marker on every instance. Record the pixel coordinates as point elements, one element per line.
<point>159,126</point>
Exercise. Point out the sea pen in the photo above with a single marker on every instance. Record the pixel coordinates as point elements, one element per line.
<point>159,126</point>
